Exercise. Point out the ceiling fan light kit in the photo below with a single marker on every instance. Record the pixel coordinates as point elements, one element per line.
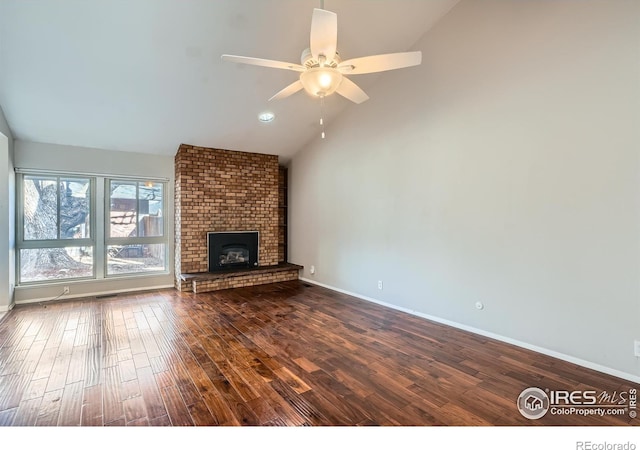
<point>322,73</point>
<point>321,81</point>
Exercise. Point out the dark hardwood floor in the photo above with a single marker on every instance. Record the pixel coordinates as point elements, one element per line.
<point>285,354</point>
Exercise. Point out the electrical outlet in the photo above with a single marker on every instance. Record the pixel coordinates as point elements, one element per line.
<point>312,270</point>
<point>380,284</point>
<point>65,290</point>
<point>636,348</point>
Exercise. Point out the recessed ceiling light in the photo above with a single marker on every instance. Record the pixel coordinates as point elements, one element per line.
<point>266,117</point>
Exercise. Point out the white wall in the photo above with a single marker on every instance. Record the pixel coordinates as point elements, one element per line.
<point>504,169</point>
<point>30,155</point>
<point>7,217</point>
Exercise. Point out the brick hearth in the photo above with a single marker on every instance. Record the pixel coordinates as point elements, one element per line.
<point>223,190</point>
<point>206,282</point>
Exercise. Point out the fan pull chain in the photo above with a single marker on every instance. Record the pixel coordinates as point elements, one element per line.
<point>322,115</point>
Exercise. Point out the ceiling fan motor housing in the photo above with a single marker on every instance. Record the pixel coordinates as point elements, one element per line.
<point>307,60</point>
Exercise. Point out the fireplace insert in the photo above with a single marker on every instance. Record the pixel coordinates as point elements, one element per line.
<point>232,250</point>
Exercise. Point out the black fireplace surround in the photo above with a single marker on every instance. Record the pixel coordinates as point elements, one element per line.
<point>232,250</point>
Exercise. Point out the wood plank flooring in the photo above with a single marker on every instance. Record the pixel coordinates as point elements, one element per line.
<point>285,354</point>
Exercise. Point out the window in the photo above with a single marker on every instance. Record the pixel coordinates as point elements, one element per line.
<point>56,229</point>
<point>58,237</point>
<point>135,242</point>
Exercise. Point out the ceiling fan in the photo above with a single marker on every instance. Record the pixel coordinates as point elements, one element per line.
<point>322,72</point>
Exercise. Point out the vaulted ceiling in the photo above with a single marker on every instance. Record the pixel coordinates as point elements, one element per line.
<point>146,75</point>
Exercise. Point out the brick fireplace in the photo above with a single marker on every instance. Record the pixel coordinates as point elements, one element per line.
<point>226,191</point>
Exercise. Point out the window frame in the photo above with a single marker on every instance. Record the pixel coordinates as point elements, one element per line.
<point>35,244</point>
<point>137,240</point>
<point>100,226</point>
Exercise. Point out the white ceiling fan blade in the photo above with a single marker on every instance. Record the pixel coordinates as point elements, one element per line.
<point>348,89</point>
<point>324,34</point>
<point>263,62</point>
<point>289,90</point>
<point>380,63</point>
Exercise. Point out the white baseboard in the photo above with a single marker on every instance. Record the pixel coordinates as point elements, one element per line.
<point>5,310</point>
<point>508,340</point>
<point>93,294</point>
